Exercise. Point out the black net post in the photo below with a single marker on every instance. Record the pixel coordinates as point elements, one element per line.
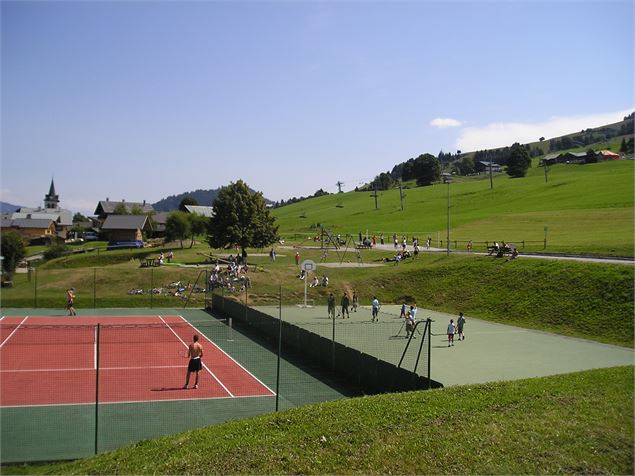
<point>97,332</point>
<point>279,347</point>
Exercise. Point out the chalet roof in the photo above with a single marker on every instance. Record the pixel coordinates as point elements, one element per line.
<point>551,156</point>
<point>31,223</point>
<point>608,152</point>
<point>161,217</point>
<point>5,222</point>
<point>59,215</point>
<point>200,210</point>
<point>125,222</point>
<point>576,154</point>
<point>107,207</point>
<point>486,164</point>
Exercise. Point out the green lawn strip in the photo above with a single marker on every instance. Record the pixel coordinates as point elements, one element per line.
<point>576,423</point>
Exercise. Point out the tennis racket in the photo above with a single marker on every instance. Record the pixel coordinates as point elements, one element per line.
<point>183,353</point>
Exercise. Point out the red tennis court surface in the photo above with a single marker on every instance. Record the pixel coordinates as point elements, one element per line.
<point>53,361</point>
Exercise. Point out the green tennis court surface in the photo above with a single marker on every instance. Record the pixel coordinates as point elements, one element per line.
<point>49,432</point>
<point>490,351</point>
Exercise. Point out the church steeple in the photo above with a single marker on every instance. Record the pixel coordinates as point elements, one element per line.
<point>51,200</point>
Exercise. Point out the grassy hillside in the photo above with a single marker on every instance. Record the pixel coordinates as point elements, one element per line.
<point>587,209</point>
<point>579,423</point>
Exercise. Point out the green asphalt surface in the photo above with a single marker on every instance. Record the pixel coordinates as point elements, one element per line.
<point>490,351</point>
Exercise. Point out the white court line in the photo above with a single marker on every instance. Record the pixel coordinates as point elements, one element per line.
<point>206,367</point>
<point>91,369</point>
<point>14,330</point>
<point>127,402</point>
<point>228,356</point>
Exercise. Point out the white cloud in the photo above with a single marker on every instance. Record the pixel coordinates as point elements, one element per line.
<point>503,134</point>
<point>443,123</point>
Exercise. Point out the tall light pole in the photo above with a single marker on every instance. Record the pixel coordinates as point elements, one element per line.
<point>448,181</point>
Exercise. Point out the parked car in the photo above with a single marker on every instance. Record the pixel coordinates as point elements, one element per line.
<point>90,236</point>
<point>120,245</point>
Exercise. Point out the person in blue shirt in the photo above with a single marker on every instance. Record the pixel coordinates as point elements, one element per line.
<point>375,309</point>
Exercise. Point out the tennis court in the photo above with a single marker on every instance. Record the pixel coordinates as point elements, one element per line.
<point>139,359</point>
<point>74,386</point>
<point>490,352</point>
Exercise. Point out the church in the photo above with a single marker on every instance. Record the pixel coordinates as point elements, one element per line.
<point>50,220</point>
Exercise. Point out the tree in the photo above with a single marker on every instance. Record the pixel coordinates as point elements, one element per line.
<point>136,210</point>
<point>189,200</point>
<point>426,169</point>
<point>13,250</point>
<point>465,166</point>
<point>241,218</point>
<point>78,217</point>
<point>198,225</point>
<point>120,209</point>
<point>519,161</point>
<point>177,226</point>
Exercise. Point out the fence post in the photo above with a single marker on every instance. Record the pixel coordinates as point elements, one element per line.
<point>97,333</point>
<point>94,288</point>
<point>35,290</point>
<point>333,346</point>
<point>151,287</point>
<point>279,346</point>
<point>429,348</point>
<point>523,244</point>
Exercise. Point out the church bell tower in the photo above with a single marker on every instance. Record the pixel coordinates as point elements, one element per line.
<point>51,199</point>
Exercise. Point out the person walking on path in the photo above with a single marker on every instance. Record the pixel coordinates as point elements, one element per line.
<point>355,301</point>
<point>451,330</point>
<point>402,314</point>
<point>195,353</point>
<point>375,309</point>
<point>70,301</point>
<point>297,258</point>
<point>460,322</point>
<point>331,306</point>
<point>345,303</point>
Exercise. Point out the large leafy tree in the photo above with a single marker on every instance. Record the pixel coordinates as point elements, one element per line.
<point>13,250</point>
<point>519,161</point>
<point>241,218</point>
<point>426,169</point>
<point>177,227</point>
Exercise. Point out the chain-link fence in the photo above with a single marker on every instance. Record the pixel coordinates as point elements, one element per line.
<point>168,286</point>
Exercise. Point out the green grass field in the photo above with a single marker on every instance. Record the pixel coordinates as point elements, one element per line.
<point>586,209</point>
<point>579,423</point>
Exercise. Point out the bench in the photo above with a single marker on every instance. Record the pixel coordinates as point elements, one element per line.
<point>502,250</point>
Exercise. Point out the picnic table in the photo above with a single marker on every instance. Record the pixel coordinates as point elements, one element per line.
<point>500,250</point>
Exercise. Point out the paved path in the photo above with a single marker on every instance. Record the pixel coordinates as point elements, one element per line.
<point>631,262</point>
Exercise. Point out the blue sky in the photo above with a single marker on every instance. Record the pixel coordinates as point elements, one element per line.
<point>141,100</point>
